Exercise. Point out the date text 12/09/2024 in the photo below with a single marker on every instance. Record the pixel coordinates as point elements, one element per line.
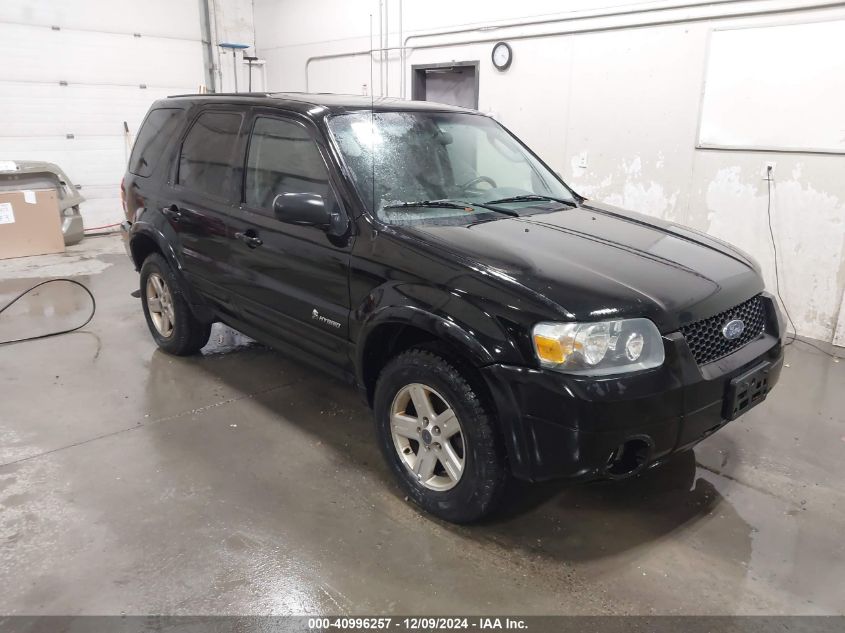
<point>417,623</point>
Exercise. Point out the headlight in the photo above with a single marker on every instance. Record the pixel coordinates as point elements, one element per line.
<point>599,348</point>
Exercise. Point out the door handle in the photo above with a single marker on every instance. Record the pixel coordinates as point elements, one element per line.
<point>172,212</point>
<point>249,238</point>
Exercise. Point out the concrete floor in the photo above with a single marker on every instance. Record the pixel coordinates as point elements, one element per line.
<point>238,482</point>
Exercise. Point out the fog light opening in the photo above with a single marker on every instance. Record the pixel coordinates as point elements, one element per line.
<point>628,459</point>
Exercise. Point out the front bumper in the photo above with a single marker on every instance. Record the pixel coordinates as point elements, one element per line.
<point>559,425</point>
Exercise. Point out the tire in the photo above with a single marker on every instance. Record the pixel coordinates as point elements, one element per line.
<point>483,474</point>
<point>178,332</point>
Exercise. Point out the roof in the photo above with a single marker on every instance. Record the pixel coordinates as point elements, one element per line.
<point>302,101</point>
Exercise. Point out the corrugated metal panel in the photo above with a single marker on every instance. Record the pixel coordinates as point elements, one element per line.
<point>96,53</point>
<point>82,110</point>
<point>88,160</point>
<point>38,53</point>
<point>171,18</point>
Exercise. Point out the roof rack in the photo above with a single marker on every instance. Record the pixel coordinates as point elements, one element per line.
<point>222,94</point>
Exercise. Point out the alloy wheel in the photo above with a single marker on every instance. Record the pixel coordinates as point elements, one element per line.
<point>160,304</point>
<point>428,436</point>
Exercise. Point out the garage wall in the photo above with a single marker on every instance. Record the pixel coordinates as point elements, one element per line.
<point>74,71</point>
<point>610,97</point>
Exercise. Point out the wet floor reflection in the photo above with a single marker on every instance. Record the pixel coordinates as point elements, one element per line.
<point>241,481</point>
<point>582,521</point>
<point>224,340</point>
<point>300,453</point>
<point>55,306</point>
<point>568,521</point>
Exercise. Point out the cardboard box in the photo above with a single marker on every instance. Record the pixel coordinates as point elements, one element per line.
<point>30,223</point>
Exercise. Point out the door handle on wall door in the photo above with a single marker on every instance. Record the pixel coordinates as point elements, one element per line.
<point>249,238</point>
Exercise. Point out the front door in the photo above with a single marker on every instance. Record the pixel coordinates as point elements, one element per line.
<point>292,281</point>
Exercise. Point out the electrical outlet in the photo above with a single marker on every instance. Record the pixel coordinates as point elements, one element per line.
<point>582,160</point>
<point>768,170</point>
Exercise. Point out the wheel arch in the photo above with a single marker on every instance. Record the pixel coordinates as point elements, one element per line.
<point>391,331</point>
<point>146,240</point>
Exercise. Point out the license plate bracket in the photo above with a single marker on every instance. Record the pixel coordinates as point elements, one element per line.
<point>747,391</point>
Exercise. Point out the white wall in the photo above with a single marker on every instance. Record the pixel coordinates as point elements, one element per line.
<point>231,22</point>
<point>115,58</point>
<point>619,89</point>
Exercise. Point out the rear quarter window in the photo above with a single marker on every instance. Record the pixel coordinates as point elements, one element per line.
<point>156,130</point>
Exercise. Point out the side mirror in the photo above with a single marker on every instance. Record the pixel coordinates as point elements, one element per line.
<point>305,209</point>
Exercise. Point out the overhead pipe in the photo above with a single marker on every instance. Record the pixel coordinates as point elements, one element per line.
<point>586,15</point>
<point>386,66</point>
<point>664,22</point>
<point>380,48</point>
<point>209,36</point>
<point>215,29</point>
<point>401,56</point>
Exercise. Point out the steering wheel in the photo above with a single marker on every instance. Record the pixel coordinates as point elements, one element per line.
<point>477,180</point>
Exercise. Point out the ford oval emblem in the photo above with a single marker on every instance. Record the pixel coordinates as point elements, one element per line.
<point>733,329</point>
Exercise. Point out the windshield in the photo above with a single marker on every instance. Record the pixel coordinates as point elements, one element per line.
<point>406,164</point>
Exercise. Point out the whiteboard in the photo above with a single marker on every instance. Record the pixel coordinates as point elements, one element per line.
<point>776,88</point>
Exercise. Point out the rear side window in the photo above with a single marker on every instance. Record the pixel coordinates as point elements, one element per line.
<point>210,162</point>
<point>283,158</point>
<point>155,132</point>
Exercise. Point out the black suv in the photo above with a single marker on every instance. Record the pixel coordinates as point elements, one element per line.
<point>497,322</point>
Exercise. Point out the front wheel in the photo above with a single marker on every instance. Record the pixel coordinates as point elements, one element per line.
<point>438,437</point>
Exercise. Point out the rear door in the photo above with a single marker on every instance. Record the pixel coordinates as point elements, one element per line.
<point>205,194</point>
<point>293,280</point>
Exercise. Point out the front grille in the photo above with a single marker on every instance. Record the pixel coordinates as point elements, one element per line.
<point>705,337</point>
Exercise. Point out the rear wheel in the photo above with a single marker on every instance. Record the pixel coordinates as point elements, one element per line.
<point>171,322</point>
<point>438,437</point>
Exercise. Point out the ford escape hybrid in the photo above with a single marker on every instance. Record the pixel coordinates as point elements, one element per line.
<point>498,323</point>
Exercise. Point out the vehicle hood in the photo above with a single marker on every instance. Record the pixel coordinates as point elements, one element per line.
<point>598,262</point>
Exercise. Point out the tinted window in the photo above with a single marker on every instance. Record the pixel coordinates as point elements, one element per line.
<point>282,158</point>
<point>209,162</point>
<point>156,131</point>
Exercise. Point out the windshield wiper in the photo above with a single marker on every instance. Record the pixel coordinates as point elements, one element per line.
<point>484,205</point>
<point>446,204</point>
<point>531,198</point>
<point>436,204</point>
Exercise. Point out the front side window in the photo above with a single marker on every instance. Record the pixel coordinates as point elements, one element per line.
<point>405,164</point>
<point>210,162</point>
<point>283,159</point>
